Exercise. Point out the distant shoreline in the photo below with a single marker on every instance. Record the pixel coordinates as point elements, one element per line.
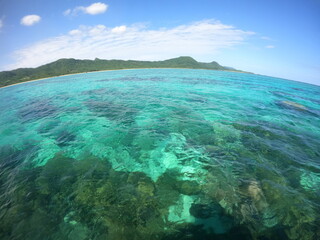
<point>34,80</point>
<point>39,79</point>
<point>70,66</point>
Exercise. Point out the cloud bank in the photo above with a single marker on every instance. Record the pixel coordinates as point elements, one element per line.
<point>200,40</point>
<point>30,20</point>
<point>93,9</point>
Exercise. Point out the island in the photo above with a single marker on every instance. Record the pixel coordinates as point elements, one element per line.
<point>72,66</point>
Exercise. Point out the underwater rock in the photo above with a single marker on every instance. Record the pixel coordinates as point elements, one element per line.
<point>205,210</point>
<point>254,209</point>
<point>298,107</point>
<point>294,96</point>
<point>294,105</point>
<point>254,190</point>
<point>145,189</point>
<point>189,187</point>
<point>143,183</point>
<point>256,193</point>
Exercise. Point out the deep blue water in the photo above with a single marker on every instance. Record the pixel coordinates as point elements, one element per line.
<point>160,154</point>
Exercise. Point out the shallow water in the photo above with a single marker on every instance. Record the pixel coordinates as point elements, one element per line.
<point>160,154</point>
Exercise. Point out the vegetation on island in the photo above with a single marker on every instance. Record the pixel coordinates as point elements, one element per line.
<point>72,66</point>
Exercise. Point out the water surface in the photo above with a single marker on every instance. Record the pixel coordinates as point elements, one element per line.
<point>160,154</point>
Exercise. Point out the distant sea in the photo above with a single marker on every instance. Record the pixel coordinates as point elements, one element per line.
<point>160,154</point>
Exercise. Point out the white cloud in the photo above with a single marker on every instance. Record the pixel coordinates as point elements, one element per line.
<point>97,30</point>
<point>96,8</point>
<point>120,29</point>
<point>93,9</point>
<point>75,32</point>
<point>30,20</point>
<point>270,46</point>
<point>67,12</point>
<point>1,24</point>
<point>201,40</point>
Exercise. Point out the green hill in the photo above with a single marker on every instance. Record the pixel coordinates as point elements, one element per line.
<point>71,66</point>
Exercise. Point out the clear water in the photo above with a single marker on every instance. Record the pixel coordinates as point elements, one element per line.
<point>160,154</point>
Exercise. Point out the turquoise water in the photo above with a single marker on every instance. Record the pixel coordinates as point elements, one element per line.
<point>160,154</point>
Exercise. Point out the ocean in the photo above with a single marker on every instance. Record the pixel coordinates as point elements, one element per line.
<point>160,154</point>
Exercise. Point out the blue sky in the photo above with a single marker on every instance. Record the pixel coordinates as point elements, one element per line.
<point>276,38</point>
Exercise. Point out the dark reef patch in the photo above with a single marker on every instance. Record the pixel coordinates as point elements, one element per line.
<point>65,138</point>
<point>112,111</point>
<point>37,109</point>
<point>96,92</point>
<point>206,210</point>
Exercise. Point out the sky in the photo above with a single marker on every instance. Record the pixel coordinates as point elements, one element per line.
<point>274,38</point>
